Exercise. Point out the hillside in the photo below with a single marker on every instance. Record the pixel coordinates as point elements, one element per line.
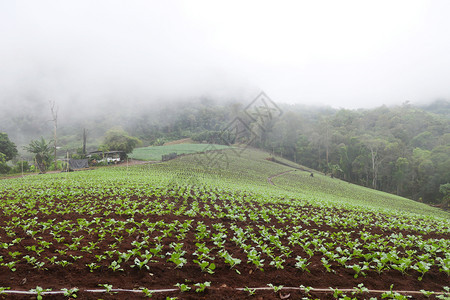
<point>213,225</point>
<point>251,169</point>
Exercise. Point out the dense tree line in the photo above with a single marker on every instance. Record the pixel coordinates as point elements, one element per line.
<point>403,150</point>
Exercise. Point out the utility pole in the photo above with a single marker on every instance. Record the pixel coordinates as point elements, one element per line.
<point>84,141</point>
<point>55,126</point>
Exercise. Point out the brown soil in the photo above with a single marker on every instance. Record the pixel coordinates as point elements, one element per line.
<point>163,274</point>
<point>133,162</point>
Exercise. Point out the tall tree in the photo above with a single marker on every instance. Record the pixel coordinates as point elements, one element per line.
<point>8,151</point>
<point>401,172</point>
<point>375,147</point>
<point>117,139</point>
<point>7,147</point>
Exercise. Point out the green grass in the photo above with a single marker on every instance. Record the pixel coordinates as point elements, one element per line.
<point>247,172</point>
<point>155,153</point>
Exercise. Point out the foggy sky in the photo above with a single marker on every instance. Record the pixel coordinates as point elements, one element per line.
<point>348,54</point>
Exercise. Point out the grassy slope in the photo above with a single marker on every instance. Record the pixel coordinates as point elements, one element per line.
<point>250,170</point>
<point>153,153</point>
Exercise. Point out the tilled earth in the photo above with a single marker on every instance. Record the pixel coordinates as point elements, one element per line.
<point>163,274</point>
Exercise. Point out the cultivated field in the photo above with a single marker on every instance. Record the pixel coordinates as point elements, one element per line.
<point>198,227</point>
<point>155,153</point>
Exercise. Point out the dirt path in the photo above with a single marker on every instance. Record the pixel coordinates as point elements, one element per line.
<point>133,162</point>
<point>269,179</point>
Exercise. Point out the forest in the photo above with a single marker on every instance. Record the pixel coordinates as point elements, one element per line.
<point>404,150</point>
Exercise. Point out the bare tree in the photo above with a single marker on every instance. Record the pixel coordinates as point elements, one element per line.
<point>54,111</point>
<point>376,147</point>
<point>84,141</point>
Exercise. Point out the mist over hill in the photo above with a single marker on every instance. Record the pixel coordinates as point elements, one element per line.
<point>399,149</point>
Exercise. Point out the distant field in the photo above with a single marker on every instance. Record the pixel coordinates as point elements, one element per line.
<point>181,141</point>
<point>156,152</point>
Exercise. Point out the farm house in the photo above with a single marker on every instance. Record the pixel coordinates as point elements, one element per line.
<point>111,157</point>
